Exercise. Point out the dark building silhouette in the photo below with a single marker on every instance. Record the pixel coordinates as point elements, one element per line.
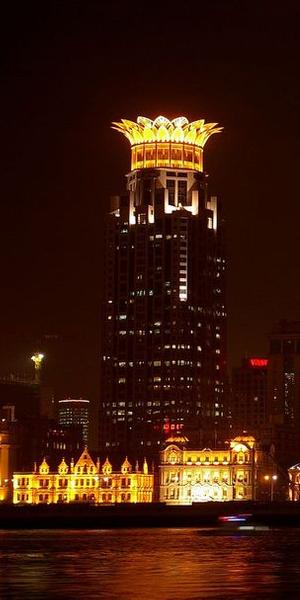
<point>284,391</point>
<point>27,409</point>
<point>30,398</point>
<point>59,441</point>
<point>265,395</point>
<point>249,397</point>
<point>164,316</point>
<point>72,412</point>
<point>22,394</point>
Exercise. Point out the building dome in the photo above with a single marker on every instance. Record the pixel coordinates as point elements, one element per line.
<point>177,439</point>
<point>249,440</point>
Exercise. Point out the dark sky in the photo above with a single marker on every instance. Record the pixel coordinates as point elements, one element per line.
<point>68,69</point>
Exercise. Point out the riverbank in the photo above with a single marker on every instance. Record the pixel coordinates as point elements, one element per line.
<point>82,516</point>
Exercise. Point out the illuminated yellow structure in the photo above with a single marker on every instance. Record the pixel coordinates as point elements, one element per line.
<point>177,144</point>
<point>294,483</point>
<point>188,476</point>
<point>84,481</point>
<point>37,358</point>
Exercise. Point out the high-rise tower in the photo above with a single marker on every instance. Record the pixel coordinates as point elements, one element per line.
<point>284,391</point>
<point>249,397</point>
<point>75,412</point>
<point>164,314</point>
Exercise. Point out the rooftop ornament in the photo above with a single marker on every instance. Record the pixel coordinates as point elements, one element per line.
<point>164,143</point>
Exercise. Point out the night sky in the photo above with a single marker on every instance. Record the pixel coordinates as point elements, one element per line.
<point>68,69</point>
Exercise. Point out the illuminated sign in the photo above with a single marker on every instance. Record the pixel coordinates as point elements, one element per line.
<point>258,362</point>
<point>172,427</point>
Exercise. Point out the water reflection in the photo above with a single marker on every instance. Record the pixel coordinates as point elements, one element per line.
<point>148,565</point>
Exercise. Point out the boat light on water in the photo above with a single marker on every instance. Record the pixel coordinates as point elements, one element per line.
<point>234,518</point>
<point>253,528</point>
<point>240,523</point>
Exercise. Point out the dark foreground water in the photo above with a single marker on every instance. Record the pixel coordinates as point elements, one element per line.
<point>148,564</point>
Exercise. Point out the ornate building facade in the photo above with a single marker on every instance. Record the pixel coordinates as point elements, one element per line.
<point>188,476</point>
<point>294,483</point>
<point>84,481</point>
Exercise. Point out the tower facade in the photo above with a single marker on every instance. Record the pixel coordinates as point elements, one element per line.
<point>73,411</point>
<point>164,315</point>
<point>249,397</point>
<point>284,390</point>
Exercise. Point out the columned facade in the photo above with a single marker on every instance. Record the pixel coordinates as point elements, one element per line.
<point>204,475</point>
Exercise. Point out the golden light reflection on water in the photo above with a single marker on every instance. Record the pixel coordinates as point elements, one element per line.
<point>148,565</point>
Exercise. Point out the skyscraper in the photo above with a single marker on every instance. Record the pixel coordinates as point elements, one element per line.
<point>164,315</point>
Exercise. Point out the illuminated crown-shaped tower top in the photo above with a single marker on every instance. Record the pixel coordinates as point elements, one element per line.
<point>176,144</point>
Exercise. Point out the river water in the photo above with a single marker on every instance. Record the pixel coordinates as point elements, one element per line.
<point>148,564</point>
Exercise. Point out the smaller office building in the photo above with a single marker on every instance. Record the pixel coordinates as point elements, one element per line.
<point>188,475</point>
<point>75,412</point>
<point>249,396</point>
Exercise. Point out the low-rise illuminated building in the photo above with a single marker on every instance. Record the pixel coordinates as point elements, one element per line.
<point>294,483</point>
<point>188,475</point>
<point>84,481</point>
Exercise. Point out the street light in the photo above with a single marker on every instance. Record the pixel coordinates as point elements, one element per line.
<point>272,479</point>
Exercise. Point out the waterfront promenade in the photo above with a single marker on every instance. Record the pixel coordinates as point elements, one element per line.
<point>84,516</point>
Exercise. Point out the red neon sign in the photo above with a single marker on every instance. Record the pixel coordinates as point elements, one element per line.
<point>258,362</point>
<point>172,427</point>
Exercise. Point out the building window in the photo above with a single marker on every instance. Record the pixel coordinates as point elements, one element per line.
<point>171,189</point>
<point>182,193</point>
